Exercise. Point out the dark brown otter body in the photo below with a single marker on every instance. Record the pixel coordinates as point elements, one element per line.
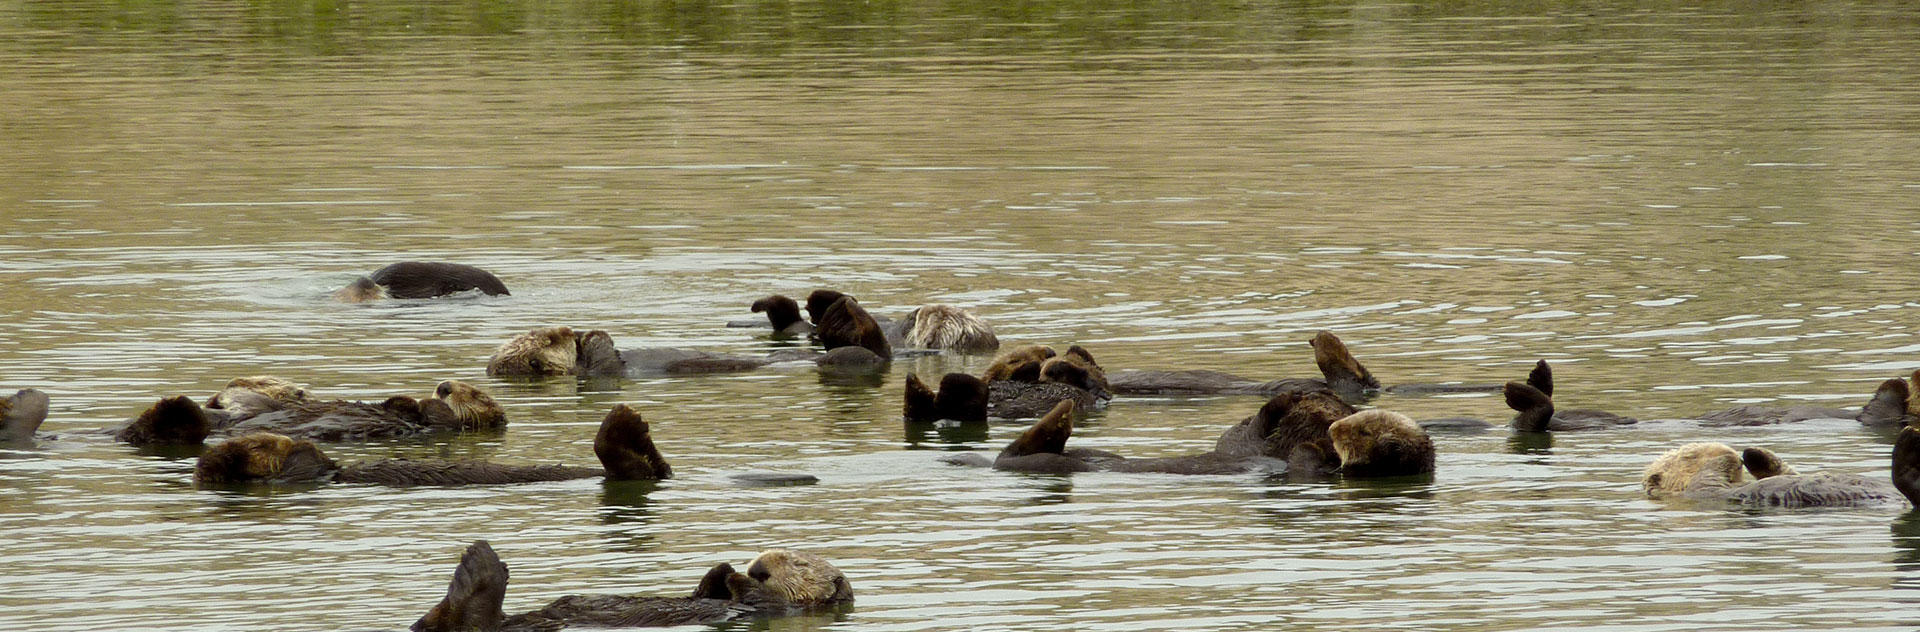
<point>22,414</point>
<point>778,582</point>
<point>1533,401</point>
<point>623,444</point>
<point>455,406</point>
<point>421,279</point>
<point>961,397</point>
<point>784,314</point>
<point>846,324</point>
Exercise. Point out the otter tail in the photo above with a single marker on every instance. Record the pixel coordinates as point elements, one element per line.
<point>473,599</point>
<point>22,414</point>
<point>1535,408</point>
<point>625,447</point>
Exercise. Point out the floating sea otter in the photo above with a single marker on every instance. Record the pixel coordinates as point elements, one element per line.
<point>561,351</point>
<point>21,415</point>
<point>420,279</point>
<point>1892,406</point>
<point>1342,373</point>
<point>455,406</point>
<point>936,326</point>
<point>624,445</point>
<point>778,582</point>
<point>1306,432</point>
<point>1713,471</point>
<point>1533,400</point>
<point>1029,381</point>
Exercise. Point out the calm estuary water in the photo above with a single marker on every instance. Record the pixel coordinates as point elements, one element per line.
<point>1685,206</point>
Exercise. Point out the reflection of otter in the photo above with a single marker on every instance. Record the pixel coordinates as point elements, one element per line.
<point>22,414</point>
<point>1713,471</point>
<point>420,279</point>
<point>1029,381</point>
<point>624,445</point>
<point>1310,432</point>
<point>778,582</point>
<point>961,397</point>
<point>1340,370</point>
<point>1533,400</point>
<point>455,406</point>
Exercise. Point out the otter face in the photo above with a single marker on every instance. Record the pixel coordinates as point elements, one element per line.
<point>263,457</point>
<point>1342,371</point>
<point>277,389</point>
<point>1381,443</point>
<point>625,447</point>
<point>802,579</point>
<point>543,351</point>
<point>949,327</point>
<point>1692,466</point>
<point>471,406</point>
<point>361,290</point>
<point>1020,365</point>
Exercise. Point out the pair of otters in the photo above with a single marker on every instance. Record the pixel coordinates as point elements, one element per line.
<point>276,405</point>
<point>850,337</point>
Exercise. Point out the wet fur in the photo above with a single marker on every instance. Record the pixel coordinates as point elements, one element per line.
<point>398,416</point>
<point>783,313</point>
<point>263,457</point>
<point>1893,405</point>
<point>1533,403</point>
<point>961,397</point>
<point>1021,364</point>
<point>1711,471</point>
<point>846,324</point>
<point>474,597</point>
<point>542,351</point>
<point>625,447</point>
<point>948,327</point>
<point>173,420</point>
<point>22,414</point>
<point>421,279</point>
<point>1381,443</point>
<point>472,408</point>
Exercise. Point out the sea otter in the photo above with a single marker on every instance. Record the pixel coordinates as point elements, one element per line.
<point>784,314</point>
<point>961,397</point>
<point>937,326</point>
<point>777,582</point>
<point>1714,471</point>
<point>1893,405</point>
<point>1533,401</point>
<point>455,406</point>
<point>559,351</point>
<point>1339,369</point>
<point>420,279</point>
<point>21,415</point>
<point>247,396</point>
<point>1028,381</point>
<point>623,444</point>
<point>1373,443</point>
<point>845,324</point>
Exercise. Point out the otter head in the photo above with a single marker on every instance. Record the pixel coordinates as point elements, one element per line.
<point>1534,408</point>
<point>1019,365</point>
<point>263,457</point>
<point>237,396</point>
<point>1381,443</point>
<point>949,327</point>
<point>360,290</point>
<point>1692,466</point>
<point>1063,370</point>
<point>782,312</point>
<point>543,351</point>
<point>1047,436</point>
<point>474,597</point>
<point>1342,371</point>
<point>473,409</point>
<point>1763,463</point>
<point>961,397</point>
<point>846,324</point>
<point>819,301</point>
<point>22,414</point>
<point>1890,405</point>
<point>625,447</point>
<point>176,420</point>
<point>799,578</point>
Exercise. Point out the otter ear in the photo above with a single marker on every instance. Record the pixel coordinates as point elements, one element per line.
<point>1652,482</point>
<point>474,597</point>
<point>1541,378</point>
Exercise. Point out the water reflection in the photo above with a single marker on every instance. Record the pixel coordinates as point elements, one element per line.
<point>945,434</point>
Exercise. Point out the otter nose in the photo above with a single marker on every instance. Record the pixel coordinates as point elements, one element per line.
<point>442,391</point>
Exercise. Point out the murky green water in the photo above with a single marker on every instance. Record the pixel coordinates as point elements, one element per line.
<point>1684,206</point>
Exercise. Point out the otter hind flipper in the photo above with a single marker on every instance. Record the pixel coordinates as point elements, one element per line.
<point>920,399</point>
<point>1535,408</point>
<point>1047,436</point>
<point>22,414</point>
<point>1541,377</point>
<point>846,324</point>
<point>625,447</point>
<point>474,597</point>
<point>1763,463</point>
<point>1343,372</point>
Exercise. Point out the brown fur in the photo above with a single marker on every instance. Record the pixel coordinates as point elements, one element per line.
<point>1047,436</point>
<point>1343,371</point>
<point>428,279</point>
<point>949,327</point>
<point>961,397</point>
<point>1022,364</point>
<point>22,414</point>
<point>1381,443</point>
<point>1763,463</point>
<point>1076,368</point>
<point>278,389</point>
<point>542,351</point>
<point>173,420</point>
<point>1691,467</point>
<point>802,579</point>
<point>819,301</point>
<point>783,313</point>
<point>263,457</point>
<point>625,447</point>
<point>1291,426</point>
<point>473,598</point>
<point>846,324</point>
<point>472,407</point>
<point>361,290</point>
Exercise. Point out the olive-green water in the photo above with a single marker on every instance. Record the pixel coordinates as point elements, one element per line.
<point>1685,206</point>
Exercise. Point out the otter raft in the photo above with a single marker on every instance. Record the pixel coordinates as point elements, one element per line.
<point>922,316</point>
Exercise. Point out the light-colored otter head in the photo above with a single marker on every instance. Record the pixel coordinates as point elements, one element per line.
<point>802,579</point>
<point>361,290</point>
<point>949,327</point>
<point>474,408</point>
<point>263,457</point>
<point>1693,466</point>
<point>236,396</point>
<point>1381,443</point>
<point>1021,364</point>
<point>542,351</point>
<point>1342,371</point>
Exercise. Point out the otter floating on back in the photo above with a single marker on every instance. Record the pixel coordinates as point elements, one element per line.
<point>623,444</point>
<point>1533,401</point>
<point>777,582</point>
<point>1714,471</point>
<point>1029,381</point>
<point>455,406</point>
<point>937,326</point>
<point>420,279</point>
